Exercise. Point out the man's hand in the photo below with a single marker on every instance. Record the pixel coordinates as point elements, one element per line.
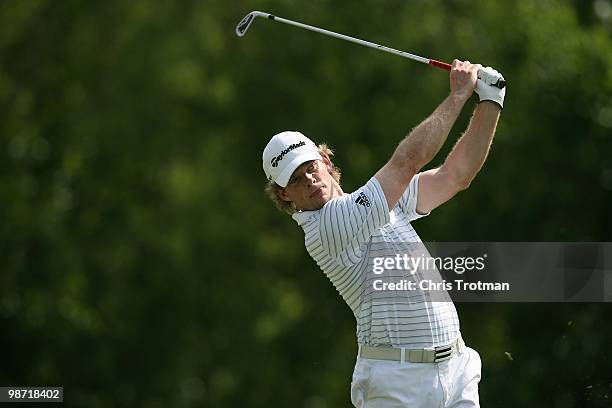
<point>487,92</point>
<point>463,79</point>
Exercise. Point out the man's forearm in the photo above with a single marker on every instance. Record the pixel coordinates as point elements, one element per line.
<point>425,140</point>
<point>469,154</point>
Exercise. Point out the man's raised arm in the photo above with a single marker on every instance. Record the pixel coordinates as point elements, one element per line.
<point>425,140</point>
<point>436,186</point>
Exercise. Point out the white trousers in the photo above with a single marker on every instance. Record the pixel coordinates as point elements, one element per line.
<point>390,384</point>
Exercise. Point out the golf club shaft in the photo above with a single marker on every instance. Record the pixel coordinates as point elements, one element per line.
<point>245,23</point>
<point>432,62</point>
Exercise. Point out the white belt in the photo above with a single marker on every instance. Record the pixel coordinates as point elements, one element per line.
<point>435,355</point>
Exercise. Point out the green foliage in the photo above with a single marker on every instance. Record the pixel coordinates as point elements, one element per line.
<point>141,263</point>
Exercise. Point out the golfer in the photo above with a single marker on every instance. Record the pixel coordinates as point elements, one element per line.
<point>411,353</point>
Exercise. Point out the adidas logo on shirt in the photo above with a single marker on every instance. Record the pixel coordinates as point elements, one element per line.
<point>363,200</point>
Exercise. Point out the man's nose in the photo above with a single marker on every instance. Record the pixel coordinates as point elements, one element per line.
<point>310,179</point>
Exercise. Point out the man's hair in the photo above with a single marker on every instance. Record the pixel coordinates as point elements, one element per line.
<point>272,189</point>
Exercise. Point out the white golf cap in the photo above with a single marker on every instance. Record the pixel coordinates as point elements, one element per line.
<point>284,153</point>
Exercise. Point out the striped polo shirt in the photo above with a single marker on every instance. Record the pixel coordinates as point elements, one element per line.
<point>344,237</point>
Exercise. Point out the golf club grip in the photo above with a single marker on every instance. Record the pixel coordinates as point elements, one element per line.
<point>501,83</point>
<point>439,64</point>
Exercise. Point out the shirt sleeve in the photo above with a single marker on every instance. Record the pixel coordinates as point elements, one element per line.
<point>348,222</point>
<point>408,200</point>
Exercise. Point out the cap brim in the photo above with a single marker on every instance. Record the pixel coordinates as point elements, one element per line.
<point>285,175</point>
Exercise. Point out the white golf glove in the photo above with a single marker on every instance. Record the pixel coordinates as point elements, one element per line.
<point>485,88</point>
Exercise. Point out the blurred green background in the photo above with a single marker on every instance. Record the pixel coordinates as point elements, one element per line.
<point>141,264</point>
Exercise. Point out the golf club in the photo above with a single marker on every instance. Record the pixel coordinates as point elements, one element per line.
<point>246,22</point>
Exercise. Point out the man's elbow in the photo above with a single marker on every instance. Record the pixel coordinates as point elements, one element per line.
<point>409,165</point>
<point>460,182</point>
<point>463,184</point>
<point>458,179</point>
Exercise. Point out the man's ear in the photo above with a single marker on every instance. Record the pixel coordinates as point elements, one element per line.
<point>282,194</point>
<point>327,162</point>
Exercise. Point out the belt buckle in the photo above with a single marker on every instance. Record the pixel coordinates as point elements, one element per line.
<point>443,353</point>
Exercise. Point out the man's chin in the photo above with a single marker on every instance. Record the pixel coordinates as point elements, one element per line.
<point>318,203</point>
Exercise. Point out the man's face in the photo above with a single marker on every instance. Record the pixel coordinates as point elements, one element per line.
<point>310,185</point>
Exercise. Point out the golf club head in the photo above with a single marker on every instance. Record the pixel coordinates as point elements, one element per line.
<point>245,23</point>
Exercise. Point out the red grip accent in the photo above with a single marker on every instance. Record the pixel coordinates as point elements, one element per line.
<point>439,64</point>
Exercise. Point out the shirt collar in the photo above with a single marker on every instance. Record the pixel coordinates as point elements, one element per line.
<point>301,217</point>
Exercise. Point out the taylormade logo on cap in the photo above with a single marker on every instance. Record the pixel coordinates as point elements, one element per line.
<point>284,153</point>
